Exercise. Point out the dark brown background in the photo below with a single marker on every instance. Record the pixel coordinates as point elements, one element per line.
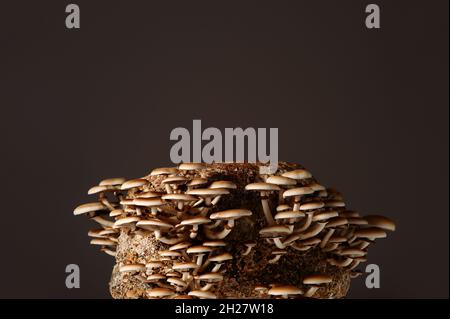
<point>365,110</point>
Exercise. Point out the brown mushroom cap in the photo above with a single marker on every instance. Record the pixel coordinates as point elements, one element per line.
<point>325,216</point>
<point>116,212</point>
<point>198,181</point>
<point>298,191</point>
<point>147,202</point>
<point>215,243</point>
<point>297,174</point>
<point>191,166</point>
<point>112,181</point>
<point>283,207</point>
<point>221,257</point>
<point>208,191</point>
<point>281,180</point>
<point>223,184</point>
<point>316,187</point>
<point>175,180</point>
<point>198,249</point>
<point>148,194</point>
<point>184,266</point>
<point>88,208</point>
<point>276,230</point>
<point>317,279</point>
<point>211,276</point>
<point>289,214</point>
<point>153,222</point>
<point>312,205</point>
<point>262,187</point>
<point>284,290</point>
<point>102,242</point>
<point>100,189</point>
<point>195,221</point>
<point>160,292</point>
<point>179,197</point>
<point>180,246</point>
<point>202,294</point>
<point>231,214</point>
<point>126,221</point>
<point>164,171</point>
<point>132,268</point>
<point>370,232</point>
<point>133,183</point>
<point>380,222</point>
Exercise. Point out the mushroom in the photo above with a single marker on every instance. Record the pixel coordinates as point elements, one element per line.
<point>249,245</point>
<point>151,203</point>
<point>126,222</point>
<point>195,222</point>
<point>297,193</point>
<point>180,199</point>
<point>164,171</point>
<point>370,233</point>
<point>112,181</point>
<point>89,208</point>
<point>380,222</point>
<point>199,252</point>
<point>275,232</point>
<point>202,294</point>
<point>278,253</point>
<point>230,216</point>
<point>284,291</point>
<point>264,189</point>
<point>102,242</point>
<point>315,281</point>
<point>132,268</point>
<point>207,194</point>
<point>133,183</point>
<point>297,174</point>
<point>159,292</point>
<point>218,259</point>
<point>191,166</point>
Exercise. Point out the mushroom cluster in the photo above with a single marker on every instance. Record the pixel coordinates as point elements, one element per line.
<point>189,213</point>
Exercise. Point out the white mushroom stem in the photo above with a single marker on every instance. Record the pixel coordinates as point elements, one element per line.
<point>216,200</point>
<point>180,205</point>
<point>217,223</point>
<point>168,189</point>
<point>296,203</point>
<point>266,209</point>
<point>208,201</point>
<point>274,259</point>
<point>306,224</point>
<point>197,203</point>
<point>311,291</point>
<point>278,243</point>
<point>222,234</point>
<point>199,260</point>
<point>216,267</point>
<point>247,251</point>
<point>138,211</point>
<point>104,200</point>
<point>194,231</point>
<point>154,211</point>
<point>206,287</point>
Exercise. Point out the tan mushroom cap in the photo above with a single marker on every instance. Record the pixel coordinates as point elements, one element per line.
<point>169,253</point>
<point>284,290</point>
<point>262,187</point>
<point>275,230</point>
<point>208,191</point>
<point>231,214</point>
<point>133,183</point>
<point>357,221</point>
<point>100,189</point>
<point>147,202</point>
<point>223,184</point>
<point>317,279</point>
<point>195,221</point>
<point>88,208</point>
<point>279,252</point>
<point>154,264</point>
<point>380,222</point>
<point>289,214</point>
<point>215,243</point>
<point>153,222</point>
<point>337,239</point>
<point>352,252</point>
<point>316,187</point>
<point>132,268</point>
<point>156,277</point>
<point>160,292</point>
<point>198,181</point>
<point>175,180</point>
<point>148,194</point>
<point>325,216</point>
<point>349,214</point>
<point>283,207</point>
<point>102,242</point>
<point>126,221</point>
<point>281,180</point>
<point>221,257</point>
<point>298,191</point>
<point>335,203</point>
<point>184,266</point>
<point>202,294</point>
<point>337,221</point>
<point>191,166</point>
<point>164,171</point>
<point>198,249</point>
<point>312,205</point>
<point>370,232</point>
<point>180,246</point>
<point>177,282</point>
<point>211,276</point>
<point>112,181</point>
<point>116,212</point>
<point>179,197</point>
<point>297,174</point>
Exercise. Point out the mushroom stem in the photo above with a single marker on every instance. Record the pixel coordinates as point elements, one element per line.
<point>306,224</point>
<point>278,243</point>
<point>206,287</point>
<point>249,249</point>
<point>216,267</point>
<point>327,237</point>
<point>266,210</point>
<point>216,200</point>
<point>274,259</point>
<point>311,291</point>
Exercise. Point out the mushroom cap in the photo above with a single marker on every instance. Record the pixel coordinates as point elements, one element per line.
<point>316,187</point>
<point>337,221</point>
<point>211,276</point>
<point>312,205</point>
<point>231,214</point>
<point>112,181</point>
<point>132,268</point>
<point>156,277</point>
<point>283,207</point>
<point>348,214</point>
<point>297,174</point>
<point>262,187</point>
<point>289,214</point>
<point>380,222</point>
<point>116,212</point>
<point>164,171</point>
<point>370,232</point>
<point>184,266</point>
<point>214,243</point>
<point>357,221</point>
<point>276,230</point>
<point>177,281</point>
<point>325,216</point>
<point>179,197</point>
<point>153,222</point>
<point>202,294</point>
<point>337,239</point>
<point>154,264</point>
<point>99,189</point>
<point>175,180</point>
<point>126,220</point>
<point>180,246</point>
<point>221,257</point>
<point>310,241</point>
<point>198,181</point>
<point>284,290</point>
<point>169,253</point>
<point>195,221</point>
<point>148,194</point>
<point>191,166</point>
<point>160,292</point>
<point>89,207</point>
<point>335,203</point>
<point>279,252</point>
<point>317,279</point>
<point>281,180</point>
<point>133,183</point>
<point>223,184</point>
<point>352,252</point>
<point>208,191</point>
<point>298,191</point>
<point>198,249</point>
<point>147,202</point>
<point>102,242</point>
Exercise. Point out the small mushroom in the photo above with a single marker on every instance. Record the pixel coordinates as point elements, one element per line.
<point>202,294</point>
<point>133,183</point>
<point>159,292</point>
<point>277,255</point>
<point>264,189</point>
<point>380,222</point>
<point>249,245</point>
<point>195,222</point>
<point>112,181</point>
<point>297,174</point>
<point>89,208</point>
<point>315,281</point>
<point>191,166</point>
<point>207,194</point>
<point>229,216</point>
<point>284,291</point>
<point>132,268</point>
<point>297,193</point>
